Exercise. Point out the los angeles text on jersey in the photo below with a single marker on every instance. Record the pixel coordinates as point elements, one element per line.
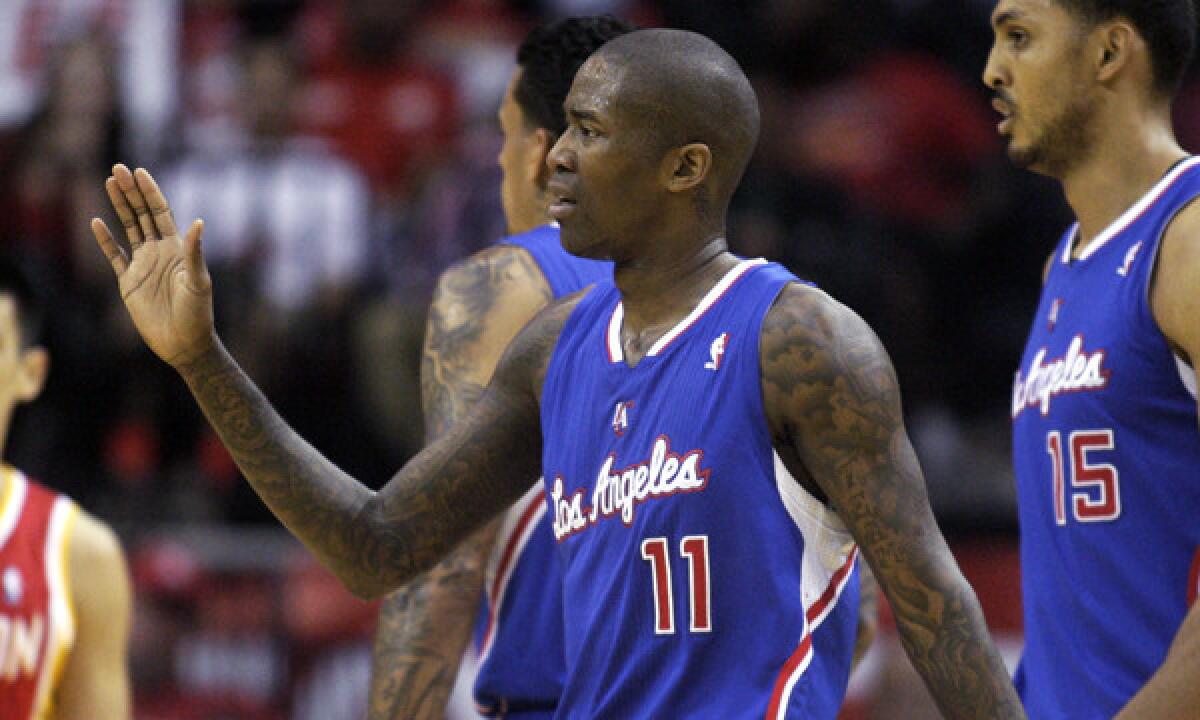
<point>20,645</point>
<point>1076,371</point>
<point>620,491</point>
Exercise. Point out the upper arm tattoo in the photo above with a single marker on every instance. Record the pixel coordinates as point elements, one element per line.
<point>832,397</point>
<point>423,627</point>
<point>478,307</point>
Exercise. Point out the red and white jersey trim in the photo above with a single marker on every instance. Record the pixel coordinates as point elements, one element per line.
<point>1193,588</point>
<point>617,354</point>
<point>62,614</point>
<point>60,611</point>
<point>519,523</point>
<point>829,557</point>
<point>1132,214</point>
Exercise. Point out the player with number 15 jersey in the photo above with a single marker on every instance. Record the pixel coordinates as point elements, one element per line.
<point>1106,450</point>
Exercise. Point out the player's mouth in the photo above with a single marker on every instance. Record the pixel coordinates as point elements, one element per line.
<point>562,203</point>
<point>1009,113</point>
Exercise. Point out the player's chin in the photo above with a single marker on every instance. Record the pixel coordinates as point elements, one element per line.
<point>578,243</point>
<point>1021,154</point>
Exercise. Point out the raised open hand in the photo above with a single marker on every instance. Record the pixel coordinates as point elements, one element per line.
<point>163,279</point>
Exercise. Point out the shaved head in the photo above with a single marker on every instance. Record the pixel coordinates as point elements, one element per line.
<point>683,88</point>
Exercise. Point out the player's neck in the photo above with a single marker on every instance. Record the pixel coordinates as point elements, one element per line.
<point>661,289</point>
<point>1117,175</point>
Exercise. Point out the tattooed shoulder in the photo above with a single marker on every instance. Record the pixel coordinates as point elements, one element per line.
<point>824,366</point>
<point>479,305</point>
<point>471,288</point>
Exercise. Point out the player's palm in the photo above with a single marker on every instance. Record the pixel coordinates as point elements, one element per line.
<point>163,281</point>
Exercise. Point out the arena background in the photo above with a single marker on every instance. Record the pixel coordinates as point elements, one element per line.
<point>343,153</point>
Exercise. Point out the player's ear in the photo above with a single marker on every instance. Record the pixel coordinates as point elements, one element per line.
<point>31,373</point>
<point>1115,43</point>
<point>541,142</point>
<point>687,166</point>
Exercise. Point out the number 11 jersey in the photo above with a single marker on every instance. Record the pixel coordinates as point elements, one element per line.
<point>700,579</point>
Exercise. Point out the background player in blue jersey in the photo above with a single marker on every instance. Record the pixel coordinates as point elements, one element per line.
<point>1105,437</point>
<point>661,125</point>
<point>478,307</point>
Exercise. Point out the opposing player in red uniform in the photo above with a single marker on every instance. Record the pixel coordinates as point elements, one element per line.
<point>64,590</point>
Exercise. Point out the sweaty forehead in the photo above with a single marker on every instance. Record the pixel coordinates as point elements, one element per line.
<point>597,86</point>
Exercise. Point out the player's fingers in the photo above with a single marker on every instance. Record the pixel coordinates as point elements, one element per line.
<point>193,255</point>
<point>156,202</point>
<point>136,201</point>
<point>109,246</point>
<point>124,212</point>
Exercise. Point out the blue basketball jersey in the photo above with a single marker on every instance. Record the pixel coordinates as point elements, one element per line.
<point>1107,459</point>
<point>518,632</point>
<point>699,579</point>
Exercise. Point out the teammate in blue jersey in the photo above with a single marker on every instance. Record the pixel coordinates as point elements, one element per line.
<point>479,306</point>
<point>718,441</point>
<point>1105,433</point>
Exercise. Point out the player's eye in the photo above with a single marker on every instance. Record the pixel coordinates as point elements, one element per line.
<point>1016,38</point>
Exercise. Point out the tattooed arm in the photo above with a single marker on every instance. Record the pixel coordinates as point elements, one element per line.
<point>834,409</point>
<point>479,305</point>
<point>372,541</point>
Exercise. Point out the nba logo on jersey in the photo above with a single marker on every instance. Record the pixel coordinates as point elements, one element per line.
<point>717,352</point>
<point>1052,316</point>
<point>620,421</point>
<point>1129,258</point>
<point>13,589</point>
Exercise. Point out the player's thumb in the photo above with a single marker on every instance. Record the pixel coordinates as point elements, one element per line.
<point>193,256</point>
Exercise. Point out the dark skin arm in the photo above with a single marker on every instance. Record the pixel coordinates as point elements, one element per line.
<point>373,542</point>
<point>833,405</point>
<point>479,306</point>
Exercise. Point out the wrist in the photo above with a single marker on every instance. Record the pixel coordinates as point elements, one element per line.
<point>209,358</point>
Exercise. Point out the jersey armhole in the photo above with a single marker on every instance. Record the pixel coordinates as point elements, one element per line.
<point>1146,301</point>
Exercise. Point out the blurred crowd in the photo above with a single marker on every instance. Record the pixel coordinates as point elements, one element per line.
<point>342,153</point>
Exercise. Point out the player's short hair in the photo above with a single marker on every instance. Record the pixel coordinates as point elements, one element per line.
<point>1167,26</point>
<point>550,56</point>
<point>681,87</point>
<point>15,283</point>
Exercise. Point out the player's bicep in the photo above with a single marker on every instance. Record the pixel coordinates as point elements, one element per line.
<point>1174,299</point>
<point>1173,296</point>
<point>832,394</point>
<point>479,306</point>
<point>95,680</point>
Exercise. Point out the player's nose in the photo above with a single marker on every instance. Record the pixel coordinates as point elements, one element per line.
<point>561,158</point>
<point>993,74</point>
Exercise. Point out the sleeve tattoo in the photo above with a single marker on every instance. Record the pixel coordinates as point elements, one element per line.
<point>374,542</point>
<point>834,401</point>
